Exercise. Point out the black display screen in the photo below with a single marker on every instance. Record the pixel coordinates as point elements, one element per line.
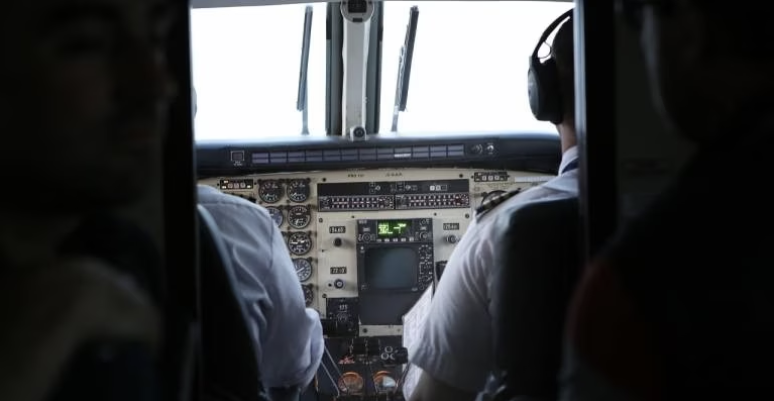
<point>391,268</point>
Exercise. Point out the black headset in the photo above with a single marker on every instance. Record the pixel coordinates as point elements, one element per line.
<point>545,95</point>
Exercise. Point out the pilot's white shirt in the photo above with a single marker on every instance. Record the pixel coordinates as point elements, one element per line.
<point>288,336</point>
<point>457,346</point>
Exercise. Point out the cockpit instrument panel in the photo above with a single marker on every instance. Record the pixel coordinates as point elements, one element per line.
<point>369,228</point>
<point>368,243</point>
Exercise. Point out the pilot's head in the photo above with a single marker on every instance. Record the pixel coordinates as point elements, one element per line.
<point>563,52</point>
<point>708,60</point>
<point>84,91</point>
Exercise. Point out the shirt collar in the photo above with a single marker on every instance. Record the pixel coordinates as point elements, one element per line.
<point>568,157</point>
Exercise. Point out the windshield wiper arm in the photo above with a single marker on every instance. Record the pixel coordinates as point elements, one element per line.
<point>302,102</point>
<point>404,67</point>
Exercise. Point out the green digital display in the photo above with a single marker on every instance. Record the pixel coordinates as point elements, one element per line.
<point>391,228</point>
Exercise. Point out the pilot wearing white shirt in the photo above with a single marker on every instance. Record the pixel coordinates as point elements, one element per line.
<point>288,335</point>
<point>456,352</point>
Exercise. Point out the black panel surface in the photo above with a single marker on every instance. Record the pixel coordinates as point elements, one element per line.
<point>532,152</point>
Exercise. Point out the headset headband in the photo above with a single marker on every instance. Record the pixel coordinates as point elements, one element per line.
<point>566,15</point>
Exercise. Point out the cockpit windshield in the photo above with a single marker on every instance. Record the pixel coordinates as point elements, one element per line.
<point>246,71</point>
<point>469,67</point>
<point>468,70</point>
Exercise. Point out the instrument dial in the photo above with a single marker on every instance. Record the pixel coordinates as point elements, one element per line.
<point>308,294</point>
<point>303,269</point>
<point>299,216</point>
<point>298,190</point>
<point>383,382</point>
<point>491,195</point>
<point>276,215</point>
<point>299,243</point>
<point>351,382</point>
<point>270,191</point>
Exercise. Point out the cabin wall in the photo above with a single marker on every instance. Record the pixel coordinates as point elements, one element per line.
<point>648,155</point>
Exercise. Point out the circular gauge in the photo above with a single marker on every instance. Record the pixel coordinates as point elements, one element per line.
<point>383,381</point>
<point>308,294</point>
<point>298,190</point>
<point>303,269</point>
<point>491,195</point>
<point>351,382</point>
<point>299,243</point>
<point>270,191</point>
<point>276,215</point>
<point>299,216</point>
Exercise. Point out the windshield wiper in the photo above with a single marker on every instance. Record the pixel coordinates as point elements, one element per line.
<point>404,67</point>
<point>302,102</point>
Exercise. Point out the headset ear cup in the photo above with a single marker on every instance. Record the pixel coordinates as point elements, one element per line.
<point>552,94</point>
<point>543,86</point>
<point>533,89</point>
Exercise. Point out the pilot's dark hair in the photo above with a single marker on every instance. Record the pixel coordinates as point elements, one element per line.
<point>563,52</point>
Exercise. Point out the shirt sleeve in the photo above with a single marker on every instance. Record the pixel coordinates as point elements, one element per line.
<point>288,335</point>
<point>609,354</point>
<point>457,338</point>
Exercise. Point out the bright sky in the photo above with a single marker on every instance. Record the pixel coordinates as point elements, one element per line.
<point>469,71</point>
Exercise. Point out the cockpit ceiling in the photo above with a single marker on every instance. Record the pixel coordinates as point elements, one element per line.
<point>248,3</point>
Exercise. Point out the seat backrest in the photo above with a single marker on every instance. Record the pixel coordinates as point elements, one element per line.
<point>538,267</point>
<point>114,369</point>
<point>229,361</point>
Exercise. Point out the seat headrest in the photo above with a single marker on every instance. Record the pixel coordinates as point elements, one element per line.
<point>536,270</point>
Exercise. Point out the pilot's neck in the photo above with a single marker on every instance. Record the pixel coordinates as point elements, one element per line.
<point>28,239</point>
<point>568,144</point>
<point>567,135</point>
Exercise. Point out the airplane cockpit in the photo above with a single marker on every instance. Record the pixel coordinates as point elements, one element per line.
<point>373,153</point>
<point>378,200</point>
